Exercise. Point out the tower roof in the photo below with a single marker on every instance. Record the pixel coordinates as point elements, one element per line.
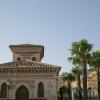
<point>24,45</point>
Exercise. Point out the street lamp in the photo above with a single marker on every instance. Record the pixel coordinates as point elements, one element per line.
<point>8,84</point>
<point>89,92</point>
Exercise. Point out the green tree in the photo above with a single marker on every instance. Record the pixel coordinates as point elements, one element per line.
<point>62,90</point>
<point>80,53</point>
<point>77,73</point>
<point>95,63</point>
<point>68,77</point>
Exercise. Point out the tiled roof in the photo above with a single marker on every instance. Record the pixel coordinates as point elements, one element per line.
<point>28,64</point>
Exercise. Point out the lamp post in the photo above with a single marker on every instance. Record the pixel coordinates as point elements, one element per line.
<point>8,84</point>
<point>89,92</point>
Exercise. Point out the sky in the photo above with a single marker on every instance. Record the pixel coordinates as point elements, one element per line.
<point>52,23</point>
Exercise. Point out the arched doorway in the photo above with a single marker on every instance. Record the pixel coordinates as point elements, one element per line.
<point>22,93</point>
<point>3,93</point>
<point>40,90</point>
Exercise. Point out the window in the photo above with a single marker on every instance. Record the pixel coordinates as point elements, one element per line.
<point>33,59</point>
<point>40,90</point>
<point>3,93</point>
<point>18,59</point>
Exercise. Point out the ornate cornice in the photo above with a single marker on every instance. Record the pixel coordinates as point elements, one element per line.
<point>28,67</point>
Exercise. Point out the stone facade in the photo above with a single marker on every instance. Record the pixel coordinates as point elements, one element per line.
<point>27,70</point>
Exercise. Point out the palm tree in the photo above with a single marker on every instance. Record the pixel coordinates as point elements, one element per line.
<point>95,63</point>
<point>69,77</point>
<point>77,72</point>
<point>80,52</point>
<point>62,90</point>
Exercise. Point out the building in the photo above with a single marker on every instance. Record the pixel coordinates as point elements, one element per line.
<point>61,82</point>
<point>92,80</point>
<point>26,77</point>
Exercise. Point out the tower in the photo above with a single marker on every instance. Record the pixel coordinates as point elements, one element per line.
<point>27,52</point>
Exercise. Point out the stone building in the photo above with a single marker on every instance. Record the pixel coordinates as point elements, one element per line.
<point>26,77</point>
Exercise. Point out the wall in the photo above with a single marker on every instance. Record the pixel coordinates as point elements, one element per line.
<point>31,82</point>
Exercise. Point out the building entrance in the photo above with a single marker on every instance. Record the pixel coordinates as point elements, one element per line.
<point>22,93</point>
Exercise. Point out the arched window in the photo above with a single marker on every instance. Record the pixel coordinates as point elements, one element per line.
<point>33,59</point>
<point>18,59</point>
<point>3,93</point>
<point>40,90</point>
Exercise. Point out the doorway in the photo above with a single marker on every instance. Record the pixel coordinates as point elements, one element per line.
<point>22,93</point>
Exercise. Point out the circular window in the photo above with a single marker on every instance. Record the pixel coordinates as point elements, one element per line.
<point>18,59</point>
<point>33,59</point>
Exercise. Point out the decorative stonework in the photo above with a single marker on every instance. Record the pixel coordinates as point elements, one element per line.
<point>30,73</point>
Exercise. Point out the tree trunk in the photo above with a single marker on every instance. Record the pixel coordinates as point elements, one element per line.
<point>98,78</point>
<point>79,88</point>
<point>85,94</point>
<point>69,91</point>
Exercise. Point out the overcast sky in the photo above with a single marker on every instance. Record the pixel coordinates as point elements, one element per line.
<point>52,23</point>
